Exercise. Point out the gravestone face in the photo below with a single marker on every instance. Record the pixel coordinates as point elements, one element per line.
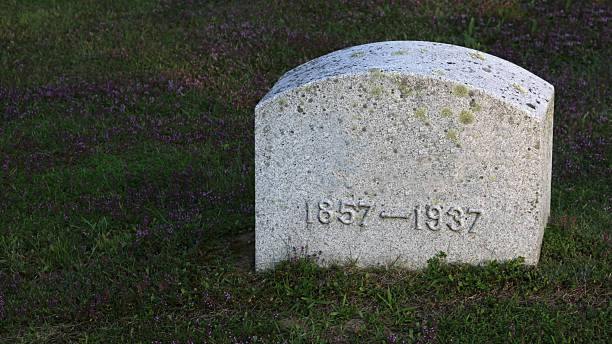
<point>390,152</point>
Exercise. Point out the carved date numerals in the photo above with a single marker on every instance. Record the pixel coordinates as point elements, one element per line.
<point>433,217</point>
<point>478,213</point>
<point>456,218</point>
<point>346,213</point>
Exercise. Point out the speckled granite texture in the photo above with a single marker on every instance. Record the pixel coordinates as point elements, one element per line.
<point>390,152</point>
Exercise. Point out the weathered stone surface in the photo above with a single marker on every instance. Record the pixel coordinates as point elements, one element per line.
<point>390,152</point>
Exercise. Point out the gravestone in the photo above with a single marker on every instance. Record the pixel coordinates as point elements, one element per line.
<point>390,152</point>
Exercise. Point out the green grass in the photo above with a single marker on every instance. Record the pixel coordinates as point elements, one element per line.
<point>126,192</point>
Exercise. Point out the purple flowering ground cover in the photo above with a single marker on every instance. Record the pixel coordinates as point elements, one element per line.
<point>127,185</point>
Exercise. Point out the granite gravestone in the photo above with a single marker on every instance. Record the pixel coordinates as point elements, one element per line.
<point>390,152</point>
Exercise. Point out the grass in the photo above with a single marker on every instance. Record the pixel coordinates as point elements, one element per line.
<point>126,177</point>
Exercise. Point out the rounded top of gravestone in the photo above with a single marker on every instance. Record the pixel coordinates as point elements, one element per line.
<point>475,69</point>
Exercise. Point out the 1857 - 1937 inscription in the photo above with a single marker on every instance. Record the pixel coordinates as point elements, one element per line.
<point>430,216</point>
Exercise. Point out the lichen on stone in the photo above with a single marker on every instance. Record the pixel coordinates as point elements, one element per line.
<point>475,106</point>
<point>401,52</point>
<point>460,90</point>
<point>439,72</point>
<point>405,90</point>
<point>423,50</point>
<point>376,74</point>
<point>476,55</point>
<point>358,54</point>
<point>549,113</point>
<point>307,88</point>
<point>446,112</point>
<point>421,113</point>
<point>466,117</point>
<point>282,102</point>
<point>518,88</point>
<point>402,85</point>
<point>376,91</point>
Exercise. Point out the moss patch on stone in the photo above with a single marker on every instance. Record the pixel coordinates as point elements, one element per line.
<point>401,52</point>
<point>476,55</point>
<point>358,54</point>
<point>518,88</point>
<point>438,72</point>
<point>446,112</point>
<point>466,117</point>
<point>452,134</point>
<point>420,113</point>
<point>460,90</point>
<point>282,102</point>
